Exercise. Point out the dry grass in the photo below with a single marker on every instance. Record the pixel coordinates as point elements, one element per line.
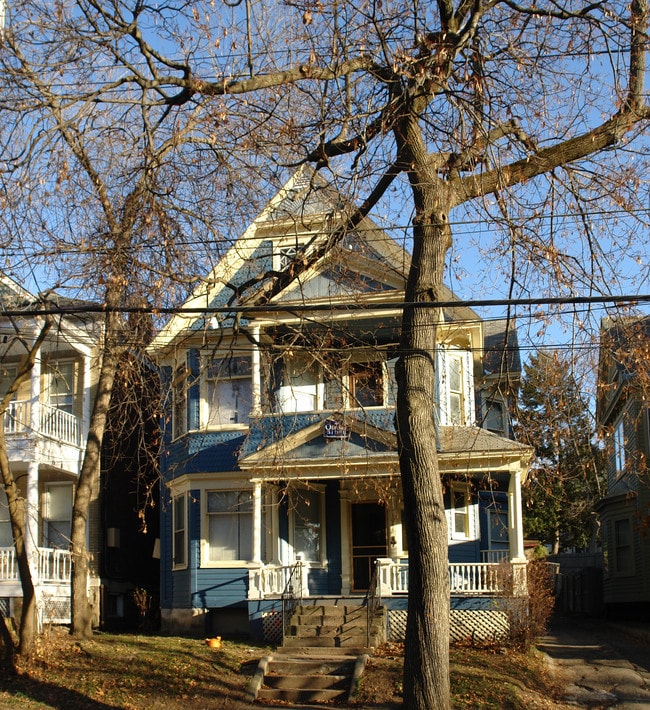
<point>155,672</point>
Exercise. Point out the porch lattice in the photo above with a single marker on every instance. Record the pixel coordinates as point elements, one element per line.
<point>272,627</point>
<point>54,610</point>
<point>465,625</point>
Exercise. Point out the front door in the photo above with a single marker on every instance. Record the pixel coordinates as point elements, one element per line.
<point>368,541</point>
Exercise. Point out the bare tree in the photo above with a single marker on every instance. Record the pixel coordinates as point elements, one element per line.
<point>510,109</point>
<point>16,503</point>
<point>98,197</point>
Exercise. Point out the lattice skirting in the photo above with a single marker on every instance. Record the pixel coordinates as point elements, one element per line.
<point>5,606</point>
<point>54,610</point>
<point>272,627</point>
<point>465,625</point>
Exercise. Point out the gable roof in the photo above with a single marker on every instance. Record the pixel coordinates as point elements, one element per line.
<point>328,266</point>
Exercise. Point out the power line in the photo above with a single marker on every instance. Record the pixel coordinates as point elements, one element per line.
<point>52,309</point>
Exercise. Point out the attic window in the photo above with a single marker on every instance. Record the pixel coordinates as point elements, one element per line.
<point>286,255</point>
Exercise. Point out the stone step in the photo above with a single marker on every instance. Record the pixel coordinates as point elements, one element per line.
<point>297,695</point>
<point>280,665</point>
<point>322,652</point>
<point>334,612</point>
<point>306,682</point>
<point>315,641</point>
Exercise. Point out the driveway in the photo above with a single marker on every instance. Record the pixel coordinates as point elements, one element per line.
<point>604,664</point>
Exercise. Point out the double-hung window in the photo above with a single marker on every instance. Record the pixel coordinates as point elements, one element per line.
<point>460,511</point>
<point>179,531</point>
<point>61,385</point>
<point>619,446</point>
<point>623,548</point>
<point>15,416</point>
<point>494,419</point>
<point>179,400</point>
<point>230,525</point>
<point>455,387</point>
<point>301,389</point>
<point>228,391</point>
<point>366,384</point>
<point>6,536</point>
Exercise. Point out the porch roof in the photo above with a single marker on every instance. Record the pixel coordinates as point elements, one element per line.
<point>369,450</point>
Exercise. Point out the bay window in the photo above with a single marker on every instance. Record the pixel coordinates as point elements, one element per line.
<point>230,525</point>
<point>228,391</point>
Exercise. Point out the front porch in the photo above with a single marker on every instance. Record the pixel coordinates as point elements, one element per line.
<point>483,598</point>
<point>51,575</point>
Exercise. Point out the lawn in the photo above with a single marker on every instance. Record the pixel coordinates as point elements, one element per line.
<point>150,672</point>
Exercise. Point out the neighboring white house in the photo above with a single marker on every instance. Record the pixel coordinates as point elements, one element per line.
<point>45,429</point>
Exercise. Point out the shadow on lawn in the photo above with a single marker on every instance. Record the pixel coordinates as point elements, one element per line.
<point>50,694</point>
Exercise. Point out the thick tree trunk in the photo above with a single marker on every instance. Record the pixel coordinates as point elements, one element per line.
<point>426,660</point>
<point>82,612</point>
<point>28,625</point>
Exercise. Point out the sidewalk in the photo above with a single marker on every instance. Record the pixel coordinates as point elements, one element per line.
<point>604,664</point>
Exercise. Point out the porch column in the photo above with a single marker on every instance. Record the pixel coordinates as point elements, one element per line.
<point>257,522</point>
<point>85,412</point>
<point>31,484</point>
<point>31,517</point>
<point>515,517</point>
<point>35,395</point>
<point>256,383</point>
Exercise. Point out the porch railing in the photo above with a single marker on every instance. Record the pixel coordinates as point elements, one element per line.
<point>52,566</point>
<point>292,596</point>
<point>53,422</point>
<point>495,555</point>
<point>465,579</point>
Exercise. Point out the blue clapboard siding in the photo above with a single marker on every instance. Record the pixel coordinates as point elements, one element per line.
<point>220,588</point>
<point>469,551</point>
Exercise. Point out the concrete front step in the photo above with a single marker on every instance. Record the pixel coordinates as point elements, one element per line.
<point>299,695</point>
<point>321,660</point>
<point>322,652</point>
<point>287,665</point>
<point>305,682</point>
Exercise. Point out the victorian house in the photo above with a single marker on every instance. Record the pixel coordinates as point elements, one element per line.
<point>280,461</point>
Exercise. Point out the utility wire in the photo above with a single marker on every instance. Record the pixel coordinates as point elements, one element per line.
<point>275,308</point>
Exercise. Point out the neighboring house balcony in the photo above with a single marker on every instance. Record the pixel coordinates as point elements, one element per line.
<point>52,423</point>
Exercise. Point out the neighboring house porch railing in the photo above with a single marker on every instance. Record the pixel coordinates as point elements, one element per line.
<point>53,422</point>
<point>53,566</point>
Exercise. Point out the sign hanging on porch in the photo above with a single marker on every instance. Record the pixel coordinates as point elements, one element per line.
<point>335,430</point>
